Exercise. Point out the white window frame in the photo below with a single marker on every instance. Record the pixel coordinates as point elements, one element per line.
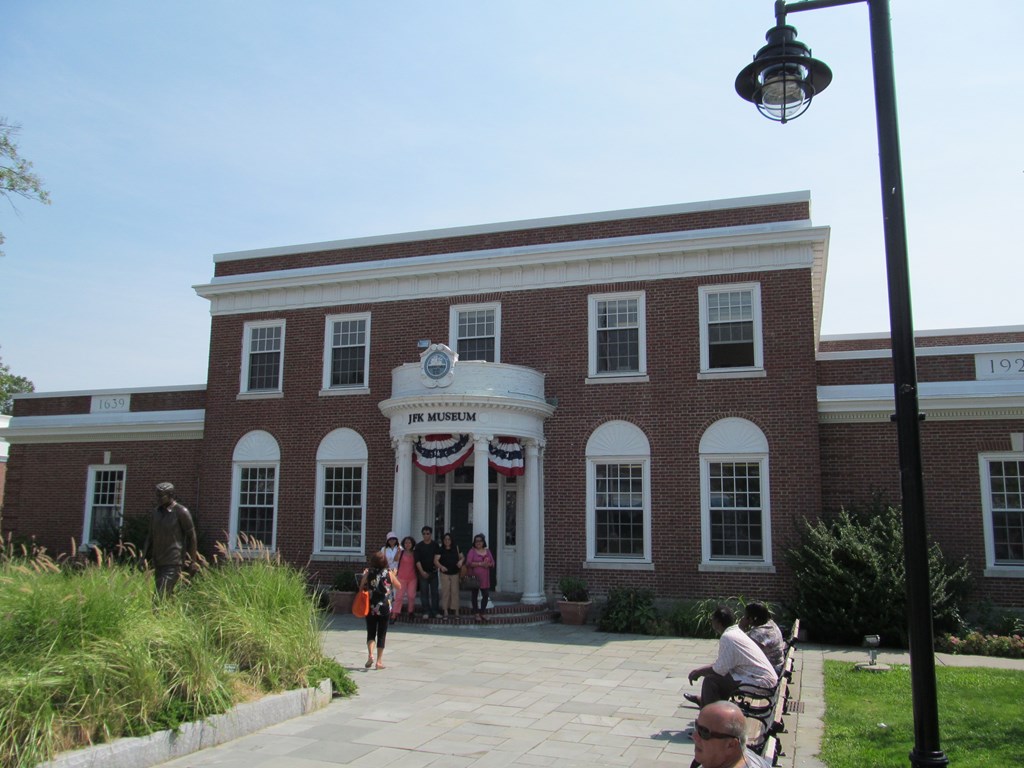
<point>340,448</point>
<point>617,442</point>
<point>90,487</point>
<point>254,450</point>
<point>735,440</point>
<point>453,324</point>
<point>345,389</point>
<point>246,351</point>
<point>992,568</point>
<point>757,369</point>
<point>593,300</point>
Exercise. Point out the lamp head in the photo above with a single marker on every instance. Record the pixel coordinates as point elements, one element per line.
<point>783,78</point>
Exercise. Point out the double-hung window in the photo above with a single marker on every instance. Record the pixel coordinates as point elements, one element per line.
<point>730,328</point>
<point>104,503</point>
<point>256,464</point>
<point>263,357</point>
<point>347,352</point>
<point>1002,499</point>
<point>618,494</point>
<point>475,332</point>
<point>618,335</point>
<point>341,494</point>
<point>735,510</point>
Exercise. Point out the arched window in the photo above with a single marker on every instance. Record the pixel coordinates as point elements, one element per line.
<point>255,464</point>
<point>618,494</point>
<point>735,512</point>
<point>341,494</point>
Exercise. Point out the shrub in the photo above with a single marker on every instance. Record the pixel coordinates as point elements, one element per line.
<point>692,618</point>
<point>345,581</point>
<point>574,589</point>
<point>850,578</point>
<point>631,610</point>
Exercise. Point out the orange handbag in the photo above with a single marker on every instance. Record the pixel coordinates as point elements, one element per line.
<point>361,603</point>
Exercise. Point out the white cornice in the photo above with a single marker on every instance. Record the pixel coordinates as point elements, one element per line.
<point>123,391</point>
<point>938,401</point>
<point>953,349</point>
<point>788,245</point>
<point>517,226</point>
<point>117,427</point>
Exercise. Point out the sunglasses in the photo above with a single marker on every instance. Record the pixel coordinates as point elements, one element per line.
<point>706,733</point>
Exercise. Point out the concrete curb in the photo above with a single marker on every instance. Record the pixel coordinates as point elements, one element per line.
<point>144,751</point>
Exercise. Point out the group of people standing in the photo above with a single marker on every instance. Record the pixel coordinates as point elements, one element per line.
<point>436,569</point>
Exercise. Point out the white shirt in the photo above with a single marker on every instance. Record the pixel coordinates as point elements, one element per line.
<point>742,659</point>
<point>392,553</point>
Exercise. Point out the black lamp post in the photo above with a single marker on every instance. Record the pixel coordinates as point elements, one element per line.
<point>781,81</point>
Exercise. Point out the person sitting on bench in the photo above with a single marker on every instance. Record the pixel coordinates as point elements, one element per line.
<point>740,662</point>
<point>720,736</point>
<point>757,623</point>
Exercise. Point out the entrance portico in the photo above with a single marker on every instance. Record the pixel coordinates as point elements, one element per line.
<point>487,417</point>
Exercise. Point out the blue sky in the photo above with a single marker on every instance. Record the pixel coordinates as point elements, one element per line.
<point>169,132</point>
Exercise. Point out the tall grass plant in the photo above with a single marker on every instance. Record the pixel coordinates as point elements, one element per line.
<point>86,656</point>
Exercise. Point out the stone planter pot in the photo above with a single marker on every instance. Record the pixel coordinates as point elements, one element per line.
<point>341,602</point>
<point>573,613</point>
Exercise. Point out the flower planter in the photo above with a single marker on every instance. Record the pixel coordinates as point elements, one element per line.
<point>572,612</point>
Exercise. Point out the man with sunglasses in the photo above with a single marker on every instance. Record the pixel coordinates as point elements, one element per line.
<point>720,737</point>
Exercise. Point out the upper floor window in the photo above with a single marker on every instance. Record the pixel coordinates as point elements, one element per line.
<point>735,512</point>
<point>263,356</point>
<point>618,335</point>
<point>730,328</point>
<point>475,332</point>
<point>340,525</point>
<point>618,494</point>
<point>256,464</point>
<point>1002,498</point>
<point>104,503</point>
<point>347,352</point>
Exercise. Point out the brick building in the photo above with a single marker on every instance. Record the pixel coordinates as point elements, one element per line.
<point>639,397</point>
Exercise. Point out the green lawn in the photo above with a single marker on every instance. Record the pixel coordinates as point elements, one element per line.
<point>869,720</point>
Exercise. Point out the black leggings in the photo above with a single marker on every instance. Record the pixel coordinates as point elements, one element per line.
<point>377,628</point>
<point>484,595</point>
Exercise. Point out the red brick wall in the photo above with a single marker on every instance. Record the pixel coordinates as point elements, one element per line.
<point>547,330</point>
<point>192,399</point>
<point>858,459</point>
<point>46,484</point>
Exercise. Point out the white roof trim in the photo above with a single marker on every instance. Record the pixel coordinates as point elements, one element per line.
<point>955,349</point>
<point>786,245</point>
<point>938,400</point>
<point>86,427</point>
<point>121,391</point>
<point>524,224</point>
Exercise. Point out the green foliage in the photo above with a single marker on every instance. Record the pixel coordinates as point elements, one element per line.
<point>850,578</point>
<point>345,581</point>
<point>16,176</point>
<point>10,384</point>
<point>86,656</point>
<point>978,644</point>
<point>631,610</point>
<point>869,717</point>
<point>574,589</point>
<point>692,618</point>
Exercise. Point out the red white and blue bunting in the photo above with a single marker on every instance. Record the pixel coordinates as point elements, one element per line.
<point>439,454</point>
<point>506,456</point>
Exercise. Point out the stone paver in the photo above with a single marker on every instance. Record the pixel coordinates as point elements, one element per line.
<point>551,695</point>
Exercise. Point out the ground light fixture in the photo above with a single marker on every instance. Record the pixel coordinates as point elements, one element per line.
<point>781,81</point>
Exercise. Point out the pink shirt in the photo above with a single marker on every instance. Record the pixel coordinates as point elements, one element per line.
<point>406,567</point>
<point>479,562</point>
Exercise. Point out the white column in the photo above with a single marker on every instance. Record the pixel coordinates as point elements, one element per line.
<point>531,542</point>
<point>401,514</point>
<point>481,509</point>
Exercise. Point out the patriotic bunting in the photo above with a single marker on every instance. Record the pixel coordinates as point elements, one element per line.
<point>439,454</point>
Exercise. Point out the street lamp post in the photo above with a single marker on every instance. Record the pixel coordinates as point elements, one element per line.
<point>782,81</point>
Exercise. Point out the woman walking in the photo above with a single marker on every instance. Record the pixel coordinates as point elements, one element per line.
<point>379,580</point>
